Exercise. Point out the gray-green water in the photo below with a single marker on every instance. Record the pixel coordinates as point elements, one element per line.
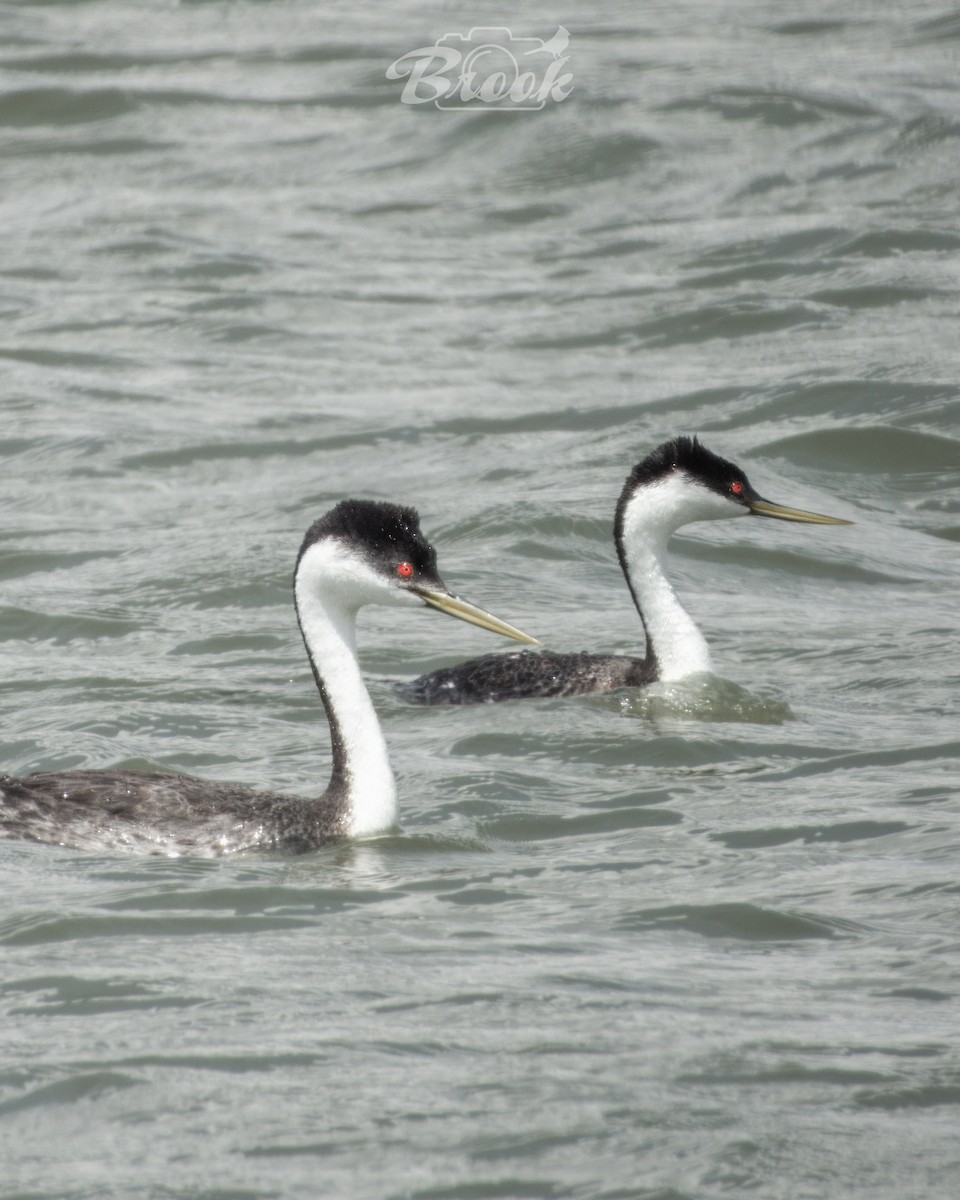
<point>698,944</point>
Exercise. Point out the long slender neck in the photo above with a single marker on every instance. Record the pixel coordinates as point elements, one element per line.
<point>675,646</point>
<point>361,784</point>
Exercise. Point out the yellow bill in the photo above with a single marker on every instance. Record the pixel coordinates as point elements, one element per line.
<point>766,508</point>
<point>456,607</point>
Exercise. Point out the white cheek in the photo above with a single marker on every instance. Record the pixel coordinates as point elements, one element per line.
<point>329,568</point>
<point>407,599</point>
<point>676,500</point>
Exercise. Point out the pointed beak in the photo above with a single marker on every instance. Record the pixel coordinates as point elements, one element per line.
<point>453,605</point>
<point>766,508</point>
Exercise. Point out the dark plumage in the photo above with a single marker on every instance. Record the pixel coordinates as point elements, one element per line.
<point>527,673</point>
<point>155,813</point>
<point>686,454</point>
<point>383,533</point>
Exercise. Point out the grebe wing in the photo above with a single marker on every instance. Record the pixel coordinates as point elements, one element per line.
<point>525,675</point>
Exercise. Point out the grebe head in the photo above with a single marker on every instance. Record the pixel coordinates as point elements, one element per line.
<point>682,481</point>
<point>371,552</point>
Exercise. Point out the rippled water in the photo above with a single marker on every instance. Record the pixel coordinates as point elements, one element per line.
<point>697,943</point>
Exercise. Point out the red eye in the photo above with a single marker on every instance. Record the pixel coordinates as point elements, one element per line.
<point>404,570</point>
<point>737,488</point>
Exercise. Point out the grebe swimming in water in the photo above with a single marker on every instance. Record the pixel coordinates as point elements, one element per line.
<point>679,482</point>
<point>361,552</point>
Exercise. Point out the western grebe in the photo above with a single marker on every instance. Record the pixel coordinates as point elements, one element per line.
<point>361,552</point>
<point>679,482</point>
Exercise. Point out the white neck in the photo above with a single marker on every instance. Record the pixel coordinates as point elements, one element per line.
<point>673,639</point>
<point>649,518</point>
<point>362,778</point>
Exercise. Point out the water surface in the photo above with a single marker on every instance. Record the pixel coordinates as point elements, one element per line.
<point>695,944</point>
